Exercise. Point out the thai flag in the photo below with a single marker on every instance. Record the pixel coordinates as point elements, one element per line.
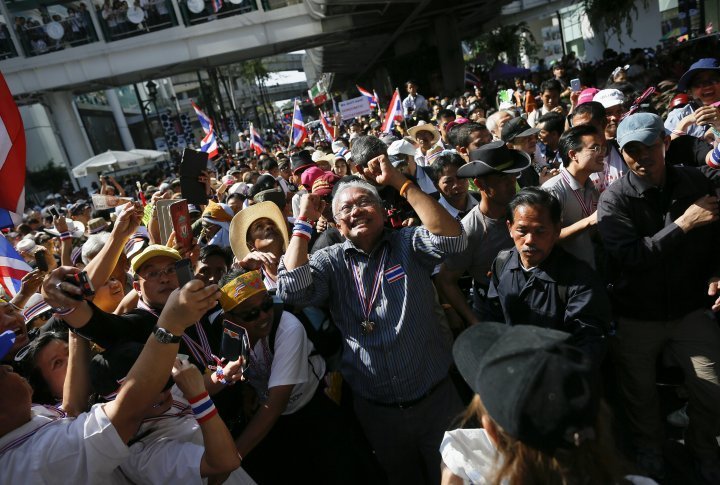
<point>12,267</point>
<point>372,97</point>
<point>472,79</point>
<point>395,273</point>
<point>394,112</point>
<point>217,5</point>
<point>326,127</point>
<point>12,159</point>
<point>209,144</point>
<point>204,119</point>
<point>299,132</point>
<point>255,140</point>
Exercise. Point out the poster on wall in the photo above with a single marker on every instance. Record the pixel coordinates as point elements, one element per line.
<point>552,44</point>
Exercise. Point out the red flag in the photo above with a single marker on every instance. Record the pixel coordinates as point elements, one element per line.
<point>12,152</point>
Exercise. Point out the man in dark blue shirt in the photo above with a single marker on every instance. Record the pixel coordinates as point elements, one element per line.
<point>539,283</point>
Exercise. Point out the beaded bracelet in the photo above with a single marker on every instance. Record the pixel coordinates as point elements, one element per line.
<point>202,407</point>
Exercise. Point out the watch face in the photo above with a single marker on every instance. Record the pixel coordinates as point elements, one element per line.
<point>165,337</point>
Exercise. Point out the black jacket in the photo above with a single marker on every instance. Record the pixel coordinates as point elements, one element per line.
<point>654,270</point>
<point>562,293</point>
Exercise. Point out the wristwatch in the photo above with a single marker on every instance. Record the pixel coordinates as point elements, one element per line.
<point>165,337</point>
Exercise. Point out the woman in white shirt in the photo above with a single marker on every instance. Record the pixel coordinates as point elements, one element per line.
<point>537,416</point>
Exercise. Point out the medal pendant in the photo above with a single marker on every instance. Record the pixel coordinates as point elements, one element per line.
<point>367,327</point>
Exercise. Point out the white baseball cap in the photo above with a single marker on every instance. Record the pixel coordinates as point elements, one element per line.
<point>609,97</point>
<point>401,147</point>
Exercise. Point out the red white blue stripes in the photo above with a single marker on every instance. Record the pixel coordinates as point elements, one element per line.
<point>203,407</point>
<point>372,97</point>
<point>12,267</point>
<point>394,112</point>
<point>255,140</point>
<point>299,132</point>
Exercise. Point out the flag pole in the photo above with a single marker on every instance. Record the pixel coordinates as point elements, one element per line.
<point>292,125</point>
<point>397,90</point>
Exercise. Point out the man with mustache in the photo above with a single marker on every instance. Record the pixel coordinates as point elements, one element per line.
<point>539,283</point>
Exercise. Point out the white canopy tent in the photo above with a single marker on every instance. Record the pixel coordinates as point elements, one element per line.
<point>117,160</point>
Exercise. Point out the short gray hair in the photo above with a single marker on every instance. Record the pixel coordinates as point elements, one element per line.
<point>355,184</point>
<point>93,245</point>
<point>492,120</point>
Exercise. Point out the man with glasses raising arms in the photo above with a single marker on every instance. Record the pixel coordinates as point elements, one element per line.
<point>396,353</point>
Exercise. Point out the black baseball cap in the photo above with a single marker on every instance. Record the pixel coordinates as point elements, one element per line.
<point>538,388</point>
<point>517,127</point>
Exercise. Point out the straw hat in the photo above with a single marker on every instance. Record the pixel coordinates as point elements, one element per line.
<point>425,127</point>
<point>244,219</point>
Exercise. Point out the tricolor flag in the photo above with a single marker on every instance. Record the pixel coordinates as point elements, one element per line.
<point>472,79</point>
<point>372,97</point>
<point>394,112</point>
<point>12,159</point>
<point>12,267</point>
<point>205,120</point>
<point>395,273</point>
<point>255,140</point>
<point>329,132</point>
<point>299,132</point>
<point>209,143</point>
<point>217,5</point>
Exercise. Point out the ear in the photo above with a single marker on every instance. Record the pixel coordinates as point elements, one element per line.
<point>509,226</point>
<point>667,142</point>
<point>571,155</point>
<point>136,286</point>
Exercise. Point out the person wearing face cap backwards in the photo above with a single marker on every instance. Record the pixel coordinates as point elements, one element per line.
<point>537,415</point>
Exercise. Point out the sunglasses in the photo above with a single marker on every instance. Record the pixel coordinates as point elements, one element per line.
<point>252,315</point>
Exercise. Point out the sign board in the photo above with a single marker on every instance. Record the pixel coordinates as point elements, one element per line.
<point>355,107</point>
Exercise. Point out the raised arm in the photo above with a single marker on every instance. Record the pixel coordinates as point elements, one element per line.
<point>150,373</point>
<point>432,215</point>
<point>76,389</point>
<point>102,265</point>
<point>220,454</point>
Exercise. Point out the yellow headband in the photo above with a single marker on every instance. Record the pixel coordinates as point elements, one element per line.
<point>240,289</point>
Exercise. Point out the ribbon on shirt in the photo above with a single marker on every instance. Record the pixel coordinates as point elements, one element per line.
<point>200,351</point>
<point>587,210</point>
<point>365,302</point>
<point>58,414</point>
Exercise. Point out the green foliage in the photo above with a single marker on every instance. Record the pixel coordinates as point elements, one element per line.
<point>508,40</point>
<point>615,17</point>
<point>50,178</point>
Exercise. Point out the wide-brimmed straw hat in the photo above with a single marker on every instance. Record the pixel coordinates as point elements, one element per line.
<point>244,219</point>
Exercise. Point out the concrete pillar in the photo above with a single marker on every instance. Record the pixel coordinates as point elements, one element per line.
<point>452,65</point>
<point>119,116</point>
<point>68,127</point>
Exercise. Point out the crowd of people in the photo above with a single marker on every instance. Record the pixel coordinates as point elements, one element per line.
<point>490,293</point>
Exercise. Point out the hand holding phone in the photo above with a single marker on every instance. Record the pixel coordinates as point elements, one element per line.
<point>82,281</point>
<point>235,343</point>
<point>575,85</point>
<point>184,272</point>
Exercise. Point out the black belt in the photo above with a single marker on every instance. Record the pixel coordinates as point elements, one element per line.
<point>408,404</point>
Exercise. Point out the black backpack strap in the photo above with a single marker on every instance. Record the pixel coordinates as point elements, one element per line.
<point>499,263</point>
<point>278,309</point>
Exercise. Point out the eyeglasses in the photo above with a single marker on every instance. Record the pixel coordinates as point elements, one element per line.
<point>347,209</point>
<point>155,274</point>
<point>598,149</point>
<point>252,315</point>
